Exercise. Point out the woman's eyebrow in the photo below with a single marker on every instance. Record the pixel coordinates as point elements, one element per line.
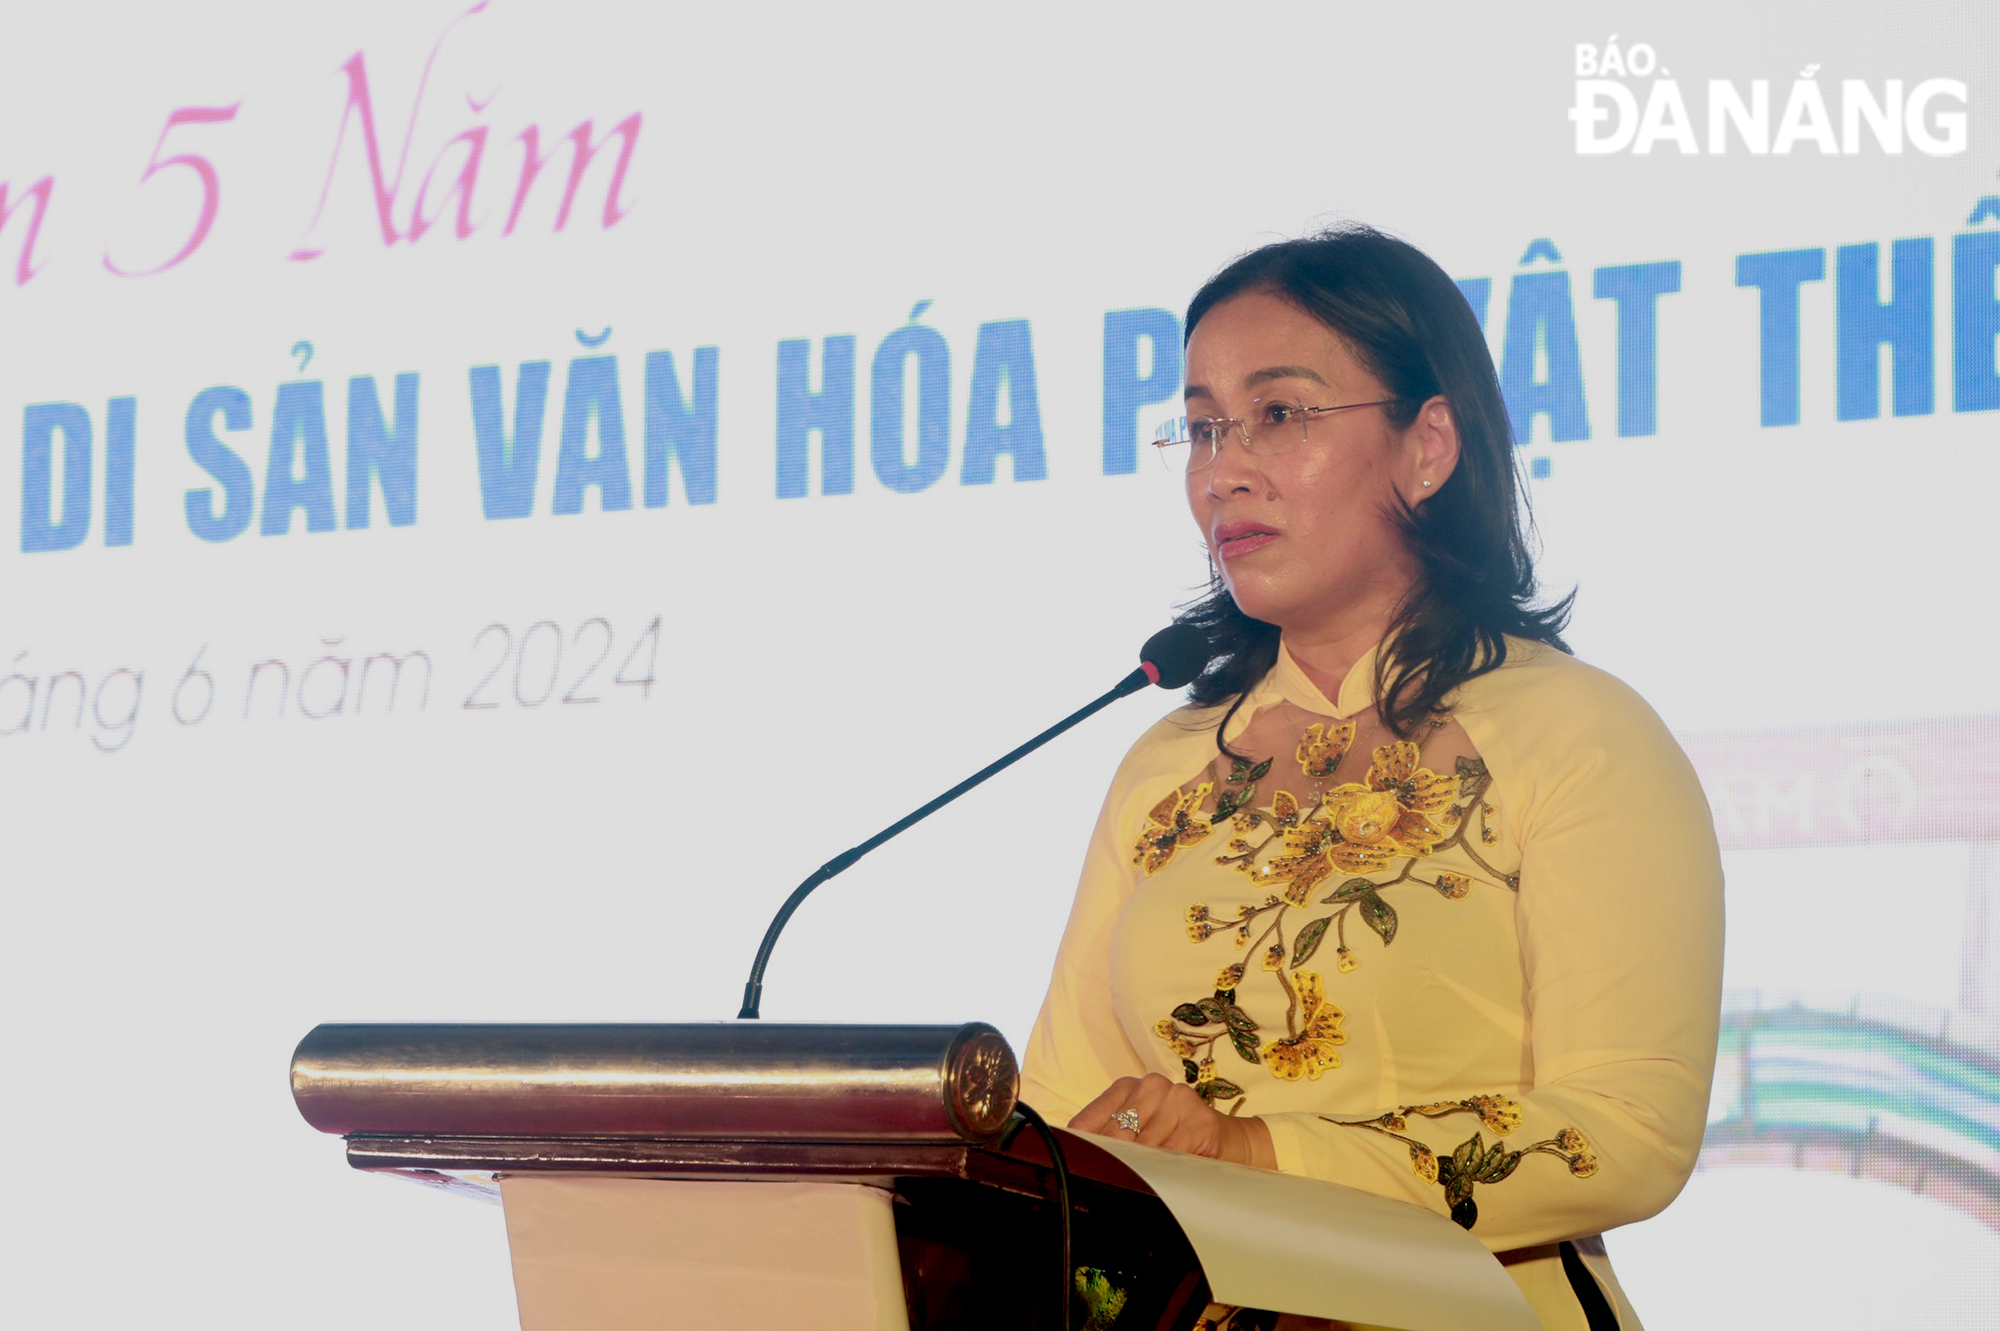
<point>1284,372</point>
<point>1264,376</point>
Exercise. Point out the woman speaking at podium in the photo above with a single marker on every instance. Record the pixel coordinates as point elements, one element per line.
<point>1406,897</point>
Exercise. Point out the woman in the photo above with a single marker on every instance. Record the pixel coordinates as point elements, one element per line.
<point>1406,898</point>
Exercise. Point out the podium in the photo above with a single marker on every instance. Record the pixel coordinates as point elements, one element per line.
<point>746,1174</point>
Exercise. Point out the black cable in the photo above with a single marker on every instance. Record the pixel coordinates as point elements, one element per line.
<point>1024,1113</point>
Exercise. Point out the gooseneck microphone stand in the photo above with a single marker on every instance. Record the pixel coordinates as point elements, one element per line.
<point>1170,658</point>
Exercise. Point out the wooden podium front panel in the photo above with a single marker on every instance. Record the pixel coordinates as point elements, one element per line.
<point>986,1258</point>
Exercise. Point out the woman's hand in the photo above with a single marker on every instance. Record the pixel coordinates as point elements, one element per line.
<point>1172,1116</point>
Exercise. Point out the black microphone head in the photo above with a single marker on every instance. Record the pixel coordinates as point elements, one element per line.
<point>1175,655</point>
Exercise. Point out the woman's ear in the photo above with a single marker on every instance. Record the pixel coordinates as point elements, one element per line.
<point>1430,451</point>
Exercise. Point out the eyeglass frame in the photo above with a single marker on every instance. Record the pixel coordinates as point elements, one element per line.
<point>1240,425</point>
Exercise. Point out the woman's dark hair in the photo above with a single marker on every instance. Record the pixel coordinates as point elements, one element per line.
<point>1406,321</point>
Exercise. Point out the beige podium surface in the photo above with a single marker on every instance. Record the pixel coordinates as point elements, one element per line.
<point>595,1253</point>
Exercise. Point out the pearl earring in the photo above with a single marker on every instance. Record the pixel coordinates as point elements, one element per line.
<point>1427,485</point>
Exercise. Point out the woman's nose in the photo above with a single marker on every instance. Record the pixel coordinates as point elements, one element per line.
<point>1235,466</point>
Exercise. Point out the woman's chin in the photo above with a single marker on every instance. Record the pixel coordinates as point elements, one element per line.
<point>1258,602</point>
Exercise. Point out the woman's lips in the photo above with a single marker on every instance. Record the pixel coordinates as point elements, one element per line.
<point>1240,538</point>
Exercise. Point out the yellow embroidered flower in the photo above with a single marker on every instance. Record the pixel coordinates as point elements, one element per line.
<point>1320,751</point>
<point>1303,861</point>
<point>1199,927</point>
<point>1395,768</point>
<point>1453,886</point>
<point>1229,976</point>
<point>1347,961</point>
<point>1170,825</point>
<point>1311,1051</point>
<point>1424,1163</point>
<point>1402,809</point>
<point>1274,957</point>
<point>1204,1072</point>
<point>1496,1112</point>
<point>1424,796</point>
<point>1284,809</point>
<point>1583,1166</point>
<point>1366,822</point>
<point>1569,1139</point>
<point>1179,1043</point>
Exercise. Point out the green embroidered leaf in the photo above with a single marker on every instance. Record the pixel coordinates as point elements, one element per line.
<point>1219,1089</point>
<point>1381,917</point>
<point>1308,940</point>
<point>1239,771</point>
<point>1225,995</point>
<point>1465,1159</point>
<point>1499,1164</point>
<point>1191,1014</point>
<point>1246,1045</point>
<point>1471,775</point>
<point>1227,803</point>
<point>1351,890</point>
<point>1260,771</point>
<point>1238,1019</point>
<point>1465,1212</point>
<point>1189,1070</point>
<point>1214,1009</point>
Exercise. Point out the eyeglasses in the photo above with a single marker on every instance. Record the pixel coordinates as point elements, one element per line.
<point>1272,426</point>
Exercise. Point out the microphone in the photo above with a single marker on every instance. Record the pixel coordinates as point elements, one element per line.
<point>1170,658</point>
